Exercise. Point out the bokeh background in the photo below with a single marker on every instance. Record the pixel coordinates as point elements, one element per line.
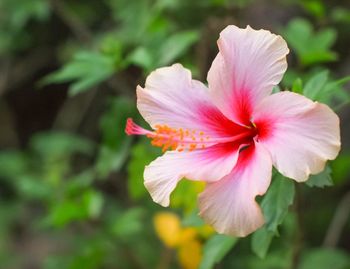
<point>71,184</point>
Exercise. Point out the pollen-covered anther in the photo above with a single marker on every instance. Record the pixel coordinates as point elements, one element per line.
<point>167,138</point>
<point>192,147</point>
<point>176,139</point>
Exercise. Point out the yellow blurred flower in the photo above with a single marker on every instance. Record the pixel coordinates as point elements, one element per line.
<point>185,240</point>
<point>167,226</point>
<point>186,235</point>
<point>190,254</point>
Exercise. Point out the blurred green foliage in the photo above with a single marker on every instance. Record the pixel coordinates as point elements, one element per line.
<point>215,249</point>
<point>82,192</point>
<point>87,69</point>
<point>15,15</point>
<point>311,47</point>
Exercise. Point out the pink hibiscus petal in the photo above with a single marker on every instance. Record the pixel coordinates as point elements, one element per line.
<point>300,134</point>
<point>172,98</point>
<point>229,204</point>
<point>248,65</point>
<point>210,164</point>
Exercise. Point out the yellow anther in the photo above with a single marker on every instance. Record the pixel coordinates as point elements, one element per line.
<point>176,139</point>
<point>181,134</point>
<point>193,147</point>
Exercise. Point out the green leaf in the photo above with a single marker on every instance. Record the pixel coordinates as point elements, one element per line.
<point>322,179</point>
<point>275,206</point>
<point>315,7</point>
<point>290,77</point>
<point>141,155</point>
<point>127,223</point>
<point>215,249</point>
<point>192,219</point>
<point>79,182</point>
<point>340,15</point>
<point>87,205</point>
<point>314,86</point>
<point>19,12</point>
<point>261,241</point>
<point>87,252</point>
<point>86,70</point>
<point>94,202</point>
<point>340,168</point>
<point>276,202</point>
<point>142,57</point>
<point>334,93</point>
<point>65,212</point>
<point>185,194</point>
<point>56,145</point>
<point>176,46</point>
<point>115,143</point>
<point>297,86</point>
<point>111,160</point>
<point>113,121</point>
<point>276,89</point>
<point>277,259</point>
<point>320,87</point>
<point>12,164</point>
<point>31,187</point>
<point>324,258</point>
<point>311,47</point>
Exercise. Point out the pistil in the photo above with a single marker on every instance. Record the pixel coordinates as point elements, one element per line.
<point>180,139</point>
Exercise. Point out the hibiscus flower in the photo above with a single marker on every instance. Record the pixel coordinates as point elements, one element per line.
<point>232,132</point>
